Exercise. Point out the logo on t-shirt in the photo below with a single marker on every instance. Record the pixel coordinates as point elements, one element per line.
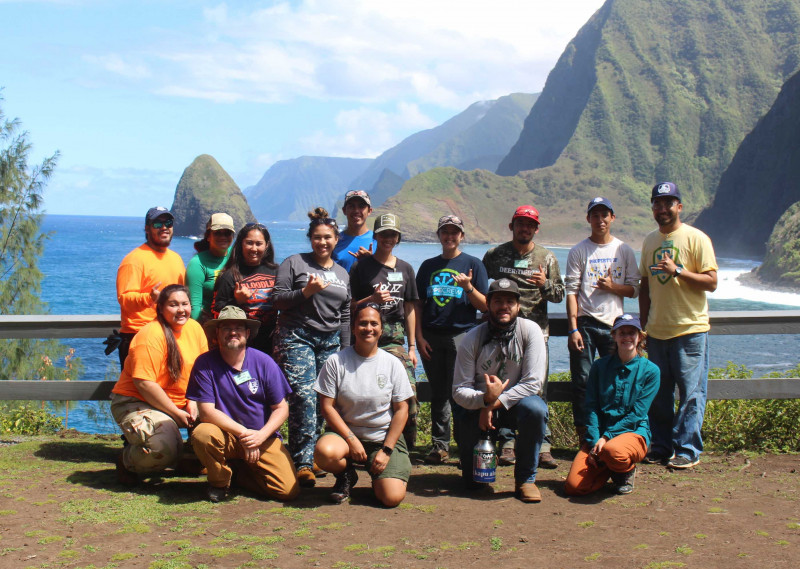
<point>443,288</point>
<point>659,254</point>
<point>253,385</point>
<point>382,379</point>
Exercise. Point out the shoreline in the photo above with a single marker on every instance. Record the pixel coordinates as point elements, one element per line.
<point>751,279</point>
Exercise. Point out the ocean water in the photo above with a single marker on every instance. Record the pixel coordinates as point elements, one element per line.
<point>83,253</point>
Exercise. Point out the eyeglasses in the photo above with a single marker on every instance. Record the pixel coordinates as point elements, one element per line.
<point>663,204</point>
<point>323,221</point>
<point>159,224</point>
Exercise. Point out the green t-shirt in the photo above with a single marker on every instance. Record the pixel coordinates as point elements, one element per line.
<point>201,274</point>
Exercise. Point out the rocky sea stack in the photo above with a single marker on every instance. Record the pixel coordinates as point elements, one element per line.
<point>781,264</point>
<point>205,188</point>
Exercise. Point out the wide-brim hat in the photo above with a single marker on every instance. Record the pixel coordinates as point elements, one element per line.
<point>231,314</point>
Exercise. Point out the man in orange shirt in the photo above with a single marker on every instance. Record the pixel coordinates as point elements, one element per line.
<point>143,273</point>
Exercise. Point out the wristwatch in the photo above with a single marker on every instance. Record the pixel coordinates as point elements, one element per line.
<point>387,450</point>
<point>678,271</point>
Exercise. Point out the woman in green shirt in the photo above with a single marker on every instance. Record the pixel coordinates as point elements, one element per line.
<point>212,253</point>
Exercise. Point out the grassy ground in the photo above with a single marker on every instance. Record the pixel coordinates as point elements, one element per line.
<point>60,506</point>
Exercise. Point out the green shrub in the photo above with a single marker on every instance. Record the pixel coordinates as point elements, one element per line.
<point>27,419</point>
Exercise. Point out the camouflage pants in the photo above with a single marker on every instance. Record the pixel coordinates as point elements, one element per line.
<point>155,441</point>
<point>301,353</point>
<point>393,341</point>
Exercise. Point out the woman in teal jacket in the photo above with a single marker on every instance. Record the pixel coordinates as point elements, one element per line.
<point>619,392</point>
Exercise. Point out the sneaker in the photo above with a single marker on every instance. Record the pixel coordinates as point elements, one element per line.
<point>623,481</point>
<point>437,456</point>
<point>655,458</point>
<point>681,462</point>
<point>528,492</point>
<point>546,460</point>
<point>217,494</point>
<point>125,476</point>
<point>345,482</point>
<point>507,457</point>
<point>306,477</point>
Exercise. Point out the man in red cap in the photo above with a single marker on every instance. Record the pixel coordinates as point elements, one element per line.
<point>536,272</point>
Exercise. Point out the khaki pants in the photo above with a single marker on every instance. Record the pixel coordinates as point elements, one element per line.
<point>620,454</point>
<point>155,441</point>
<point>273,475</point>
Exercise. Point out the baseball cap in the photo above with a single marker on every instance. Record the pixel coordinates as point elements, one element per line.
<point>503,285</point>
<point>627,320</point>
<point>599,201</point>
<point>156,212</point>
<point>526,211</point>
<point>665,189</point>
<point>220,221</point>
<point>352,194</point>
<point>386,222</point>
<point>450,220</point>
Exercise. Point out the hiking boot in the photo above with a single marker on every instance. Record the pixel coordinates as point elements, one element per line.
<point>125,476</point>
<point>528,492</point>
<point>437,456</point>
<point>546,460</point>
<point>507,457</point>
<point>655,458</point>
<point>623,481</point>
<point>306,477</point>
<point>217,494</point>
<point>345,481</point>
<point>318,472</point>
<point>681,462</point>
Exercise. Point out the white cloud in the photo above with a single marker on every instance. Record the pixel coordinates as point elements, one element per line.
<point>115,64</point>
<point>446,52</point>
<point>366,132</point>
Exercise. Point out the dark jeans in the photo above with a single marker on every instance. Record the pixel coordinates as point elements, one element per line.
<point>528,417</point>
<point>597,341</point>
<point>124,347</point>
<point>506,436</point>
<point>439,370</point>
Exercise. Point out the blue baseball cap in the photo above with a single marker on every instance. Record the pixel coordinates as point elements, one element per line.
<point>155,212</point>
<point>665,190</point>
<point>599,201</point>
<point>627,320</point>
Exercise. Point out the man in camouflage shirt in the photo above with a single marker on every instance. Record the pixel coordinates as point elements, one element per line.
<point>536,272</point>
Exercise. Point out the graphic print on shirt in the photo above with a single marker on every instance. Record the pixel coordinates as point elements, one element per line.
<point>604,267</point>
<point>668,249</point>
<point>260,303</point>
<point>443,288</point>
<point>394,289</point>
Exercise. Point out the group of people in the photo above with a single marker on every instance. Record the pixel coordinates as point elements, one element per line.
<point>331,338</point>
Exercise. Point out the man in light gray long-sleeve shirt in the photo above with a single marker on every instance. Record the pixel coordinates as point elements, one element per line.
<point>498,381</point>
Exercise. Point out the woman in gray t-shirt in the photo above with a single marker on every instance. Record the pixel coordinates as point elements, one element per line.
<point>364,393</point>
<point>313,296</point>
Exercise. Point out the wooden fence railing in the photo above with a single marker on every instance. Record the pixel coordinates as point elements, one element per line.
<point>99,326</point>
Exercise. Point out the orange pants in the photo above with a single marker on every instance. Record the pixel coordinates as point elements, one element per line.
<point>620,454</point>
<point>273,475</point>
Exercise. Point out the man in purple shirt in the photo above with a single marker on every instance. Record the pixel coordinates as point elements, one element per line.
<point>241,399</point>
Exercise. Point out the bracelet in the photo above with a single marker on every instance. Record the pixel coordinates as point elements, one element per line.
<point>572,332</point>
<point>471,290</point>
<point>412,345</point>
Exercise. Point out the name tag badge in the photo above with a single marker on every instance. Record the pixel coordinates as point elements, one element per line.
<point>329,276</point>
<point>667,244</point>
<point>521,264</point>
<point>395,277</point>
<point>242,377</point>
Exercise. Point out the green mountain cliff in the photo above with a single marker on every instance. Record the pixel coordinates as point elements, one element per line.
<point>782,260</point>
<point>761,181</point>
<point>206,188</point>
<point>648,90</point>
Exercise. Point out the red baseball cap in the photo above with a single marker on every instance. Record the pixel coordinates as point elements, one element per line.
<point>526,211</point>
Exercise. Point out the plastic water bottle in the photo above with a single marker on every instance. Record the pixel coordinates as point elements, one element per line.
<point>484,460</point>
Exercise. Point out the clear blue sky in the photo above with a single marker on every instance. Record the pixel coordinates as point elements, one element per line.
<point>131,92</point>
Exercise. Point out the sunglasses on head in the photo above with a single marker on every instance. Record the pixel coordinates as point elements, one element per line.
<point>255,225</point>
<point>323,221</point>
<point>159,224</point>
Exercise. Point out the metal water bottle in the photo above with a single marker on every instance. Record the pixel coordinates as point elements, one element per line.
<point>484,460</point>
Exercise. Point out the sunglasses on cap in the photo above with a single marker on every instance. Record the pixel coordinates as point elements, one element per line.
<point>159,224</point>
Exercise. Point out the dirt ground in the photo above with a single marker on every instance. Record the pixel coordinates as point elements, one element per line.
<point>60,506</point>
